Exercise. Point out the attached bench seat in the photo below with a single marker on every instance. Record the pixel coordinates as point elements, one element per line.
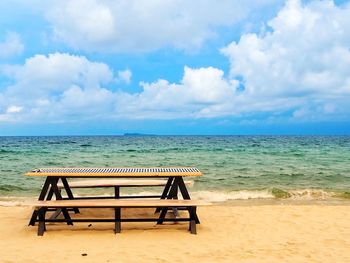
<point>117,204</point>
<point>122,203</point>
<point>116,182</point>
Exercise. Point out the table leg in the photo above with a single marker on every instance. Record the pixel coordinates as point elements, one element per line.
<point>50,194</point>
<point>165,191</point>
<point>69,192</point>
<point>45,189</point>
<point>58,210</point>
<point>162,215</point>
<point>56,213</point>
<point>182,187</point>
<point>185,194</point>
<point>116,192</point>
<point>59,197</point>
<point>172,194</point>
<point>42,196</point>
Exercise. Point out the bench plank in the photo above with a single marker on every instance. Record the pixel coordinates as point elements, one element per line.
<point>116,182</point>
<point>110,203</point>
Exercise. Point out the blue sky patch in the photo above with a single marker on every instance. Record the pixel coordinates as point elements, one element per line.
<point>174,67</point>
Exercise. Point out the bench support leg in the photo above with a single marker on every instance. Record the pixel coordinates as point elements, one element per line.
<point>193,228</point>
<point>41,227</point>
<point>162,215</point>
<point>67,216</point>
<point>56,213</point>
<point>117,213</point>
<point>34,218</point>
<point>193,216</point>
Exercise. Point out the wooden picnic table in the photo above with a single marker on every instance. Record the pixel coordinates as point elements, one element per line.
<point>174,175</point>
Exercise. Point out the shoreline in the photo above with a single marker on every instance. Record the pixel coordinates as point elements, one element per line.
<point>227,233</point>
<point>217,198</point>
<point>240,203</point>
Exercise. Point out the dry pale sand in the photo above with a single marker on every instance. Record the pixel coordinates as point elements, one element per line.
<point>249,233</point>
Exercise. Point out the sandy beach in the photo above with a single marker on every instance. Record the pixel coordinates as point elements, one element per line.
<point>230,233</point>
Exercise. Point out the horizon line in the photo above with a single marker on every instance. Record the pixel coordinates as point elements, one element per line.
<point>153,135</point>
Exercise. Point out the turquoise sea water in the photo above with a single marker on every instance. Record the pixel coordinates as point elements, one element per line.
<point>234,167</point>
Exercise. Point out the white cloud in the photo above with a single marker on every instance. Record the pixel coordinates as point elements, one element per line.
<point>305,58</point>
<point>299,67</point>
<point>14,109</point>
<point>57,87</point>
<point>11,45</point>
<point>46,75</point>
<point>62,87</point>
<point>124,76</point>
<point>197,94</point>
<point>143,25</point>
<point>296,66</point>
<point>90,20</point>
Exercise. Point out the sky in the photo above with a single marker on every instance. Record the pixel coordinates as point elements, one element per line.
<point>174,67</point>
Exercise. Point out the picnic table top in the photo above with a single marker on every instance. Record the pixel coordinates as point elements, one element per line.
<point>116,172</point>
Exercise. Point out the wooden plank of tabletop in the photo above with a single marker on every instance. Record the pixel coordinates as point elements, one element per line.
<point>115,174</point>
